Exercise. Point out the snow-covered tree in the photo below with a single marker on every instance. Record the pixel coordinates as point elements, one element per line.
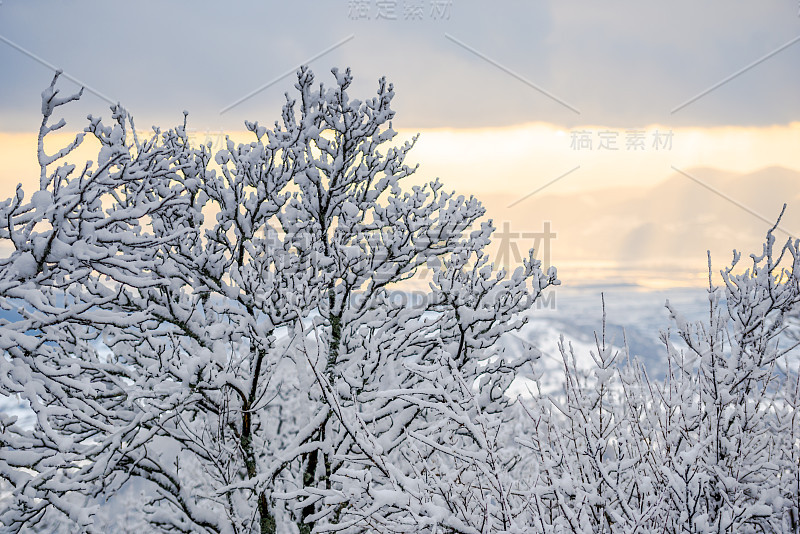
<point>212,342</point>
<point>213,336</point>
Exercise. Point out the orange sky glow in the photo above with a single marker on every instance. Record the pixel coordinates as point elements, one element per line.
<point>516,166</point>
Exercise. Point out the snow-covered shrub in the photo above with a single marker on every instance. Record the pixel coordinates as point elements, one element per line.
<point>713,447</point>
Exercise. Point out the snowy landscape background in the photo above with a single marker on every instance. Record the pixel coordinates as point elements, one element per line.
<point>633,313</point>
<point>629,144</point>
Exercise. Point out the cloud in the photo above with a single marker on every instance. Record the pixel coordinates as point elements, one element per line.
<point>620,63</point>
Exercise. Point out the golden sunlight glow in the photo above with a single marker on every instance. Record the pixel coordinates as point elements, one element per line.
<point>532,173</point>
<point>519,159</point>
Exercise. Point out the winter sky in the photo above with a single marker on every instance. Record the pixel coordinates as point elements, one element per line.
<point>507,95</point>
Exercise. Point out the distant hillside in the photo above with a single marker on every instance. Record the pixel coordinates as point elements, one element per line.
<point>669,225</point>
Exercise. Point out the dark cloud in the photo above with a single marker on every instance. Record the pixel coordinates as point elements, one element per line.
<point>621,63</point>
